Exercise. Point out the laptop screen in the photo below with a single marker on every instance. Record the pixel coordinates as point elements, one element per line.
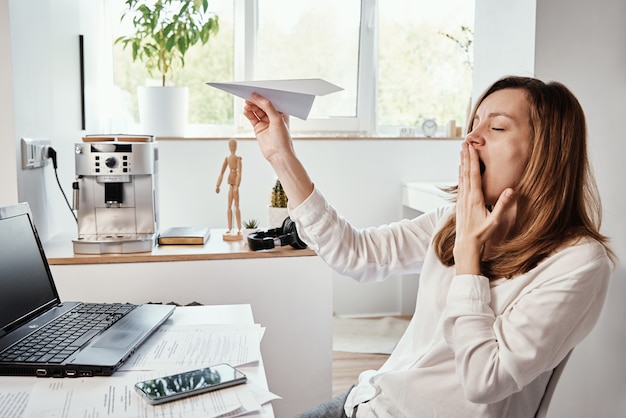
<point>26,286</point>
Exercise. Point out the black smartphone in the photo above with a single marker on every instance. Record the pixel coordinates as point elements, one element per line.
<point>177,386</point>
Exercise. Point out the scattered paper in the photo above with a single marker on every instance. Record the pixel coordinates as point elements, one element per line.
<point>13,402</point>
<point>116,397</point>
<point>196,346</point>
<point>294,97</point>
<point>193,337</point>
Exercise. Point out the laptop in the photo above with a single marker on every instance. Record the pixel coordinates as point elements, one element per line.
<point>30,305</point>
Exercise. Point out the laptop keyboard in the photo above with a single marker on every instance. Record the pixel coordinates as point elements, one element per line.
<point>59,339</point>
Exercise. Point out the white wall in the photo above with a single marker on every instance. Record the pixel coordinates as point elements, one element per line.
<point>361,178</point>
<point>8,164</point>
<point>504,41</point>
<point>45,64</point>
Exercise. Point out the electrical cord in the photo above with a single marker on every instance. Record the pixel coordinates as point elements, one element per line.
<point>52,154</point>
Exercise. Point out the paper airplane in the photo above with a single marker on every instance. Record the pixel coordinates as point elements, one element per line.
<point>293,97</point>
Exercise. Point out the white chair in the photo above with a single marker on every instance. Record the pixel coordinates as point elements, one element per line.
<point>542,411</point>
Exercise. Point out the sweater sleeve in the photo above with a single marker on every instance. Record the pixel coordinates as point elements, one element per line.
<point>497,355</point>
<point>370,254</point>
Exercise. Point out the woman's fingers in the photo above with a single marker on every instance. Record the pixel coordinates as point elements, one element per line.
<point>474,170</point>
<point>470,182</point>
<point>262,114</point>
<point>501,210</point>
<point>471,211</point>
<point>265,107</point>
<point>253,113</point>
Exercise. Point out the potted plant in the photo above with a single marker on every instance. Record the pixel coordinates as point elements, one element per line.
<point>164,30</point>
<point>249,226</point>
<point>277,211</point>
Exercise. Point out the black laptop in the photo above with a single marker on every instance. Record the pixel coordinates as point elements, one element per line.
<point>42,336</point>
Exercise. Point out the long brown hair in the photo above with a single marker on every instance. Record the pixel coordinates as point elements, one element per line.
<point>557,197</point>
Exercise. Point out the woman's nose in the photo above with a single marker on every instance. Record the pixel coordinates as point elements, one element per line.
<point>475,137</point>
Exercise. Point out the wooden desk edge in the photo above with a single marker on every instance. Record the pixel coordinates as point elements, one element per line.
<point>59,251</point>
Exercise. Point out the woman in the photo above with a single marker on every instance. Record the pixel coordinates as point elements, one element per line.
<point>514,274</point>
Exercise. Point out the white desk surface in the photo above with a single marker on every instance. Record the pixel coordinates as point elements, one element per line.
<point>211,314</point>
<point>425,196</point>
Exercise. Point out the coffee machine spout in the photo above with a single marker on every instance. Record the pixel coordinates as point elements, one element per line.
<point>113,194</point>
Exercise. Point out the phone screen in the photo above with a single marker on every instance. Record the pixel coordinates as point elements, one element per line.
<point>177,386</point>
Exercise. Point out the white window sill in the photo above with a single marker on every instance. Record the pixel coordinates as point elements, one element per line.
<point>309,136</point>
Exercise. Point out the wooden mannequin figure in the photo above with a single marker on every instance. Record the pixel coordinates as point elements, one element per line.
<point>233,163</point>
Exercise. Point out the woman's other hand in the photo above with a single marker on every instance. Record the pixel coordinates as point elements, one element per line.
<point>476,225</point>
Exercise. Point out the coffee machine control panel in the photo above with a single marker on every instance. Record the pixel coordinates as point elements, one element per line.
<point>112,159</point>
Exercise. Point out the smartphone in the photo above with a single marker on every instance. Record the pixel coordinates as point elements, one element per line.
<point>177,386</point>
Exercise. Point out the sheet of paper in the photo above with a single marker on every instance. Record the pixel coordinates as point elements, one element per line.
<point>116,397</point>
<point>294,97</point>
<point>211,315</point>
<point>13,402</point>
<point>195,346</point>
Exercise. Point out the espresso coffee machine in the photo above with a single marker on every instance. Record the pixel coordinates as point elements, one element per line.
<point>115,194</point>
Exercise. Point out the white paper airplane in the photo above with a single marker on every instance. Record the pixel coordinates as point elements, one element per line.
<point>293,97</point>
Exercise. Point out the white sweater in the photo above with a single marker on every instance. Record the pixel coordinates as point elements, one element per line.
<point>473,348</point>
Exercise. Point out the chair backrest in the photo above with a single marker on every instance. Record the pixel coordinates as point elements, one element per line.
<point>542,411</point>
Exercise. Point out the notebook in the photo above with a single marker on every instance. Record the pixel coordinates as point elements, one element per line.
<point>30,305</point>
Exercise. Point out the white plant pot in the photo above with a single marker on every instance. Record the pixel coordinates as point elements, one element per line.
<point>247,231</point>
<point>276,216</point>
<point>163,110</point>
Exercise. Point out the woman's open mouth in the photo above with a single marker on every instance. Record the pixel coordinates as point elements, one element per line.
<point>482,167</point>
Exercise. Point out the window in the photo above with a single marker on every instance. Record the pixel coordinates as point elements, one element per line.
<point>313,39</point>
<point>399,62</point>
<point>424,63</point>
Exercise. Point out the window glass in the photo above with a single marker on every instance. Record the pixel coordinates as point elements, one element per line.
<point>424,64</point>
<point>312,39</point>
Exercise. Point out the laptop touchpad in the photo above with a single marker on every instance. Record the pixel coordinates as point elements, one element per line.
<point>116,339</point>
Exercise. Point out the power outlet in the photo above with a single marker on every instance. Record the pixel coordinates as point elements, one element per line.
<point>35,152</point>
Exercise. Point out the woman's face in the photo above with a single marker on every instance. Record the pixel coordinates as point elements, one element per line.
<point>502,136</point>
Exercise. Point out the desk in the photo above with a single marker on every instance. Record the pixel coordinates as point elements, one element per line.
<point>213,315</point>
<point>290,292</point>
<point>425,196</point>
<point>418,198</point>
